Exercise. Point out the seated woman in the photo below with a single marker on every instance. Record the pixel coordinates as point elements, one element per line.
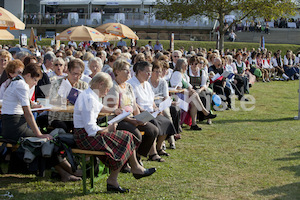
<point>62,119</point>
<point>199,81</point>
<point>95,65</point>
<point>121,95</point>
<point>13,69</point>
<point>119,146</point>
<point>264,71</point>
<point>241,71</point>
<point>161,90</point>
<point>58,70</point>
<point>5,57</point>
<point>181,80</point>
<point>235,81</point>
<point>290,69</point>
<point>145,101</point>
<point>17,116</point>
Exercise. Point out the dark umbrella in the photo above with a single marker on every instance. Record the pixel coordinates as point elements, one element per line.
<point>15,50</point>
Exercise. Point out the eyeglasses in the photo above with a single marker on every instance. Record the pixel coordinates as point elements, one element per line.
<point>201,62</point>
<point>126,70</point>
<point>148,72</point>
<point>176,56</point>
<point>75,74</point>
<point>57,64</point>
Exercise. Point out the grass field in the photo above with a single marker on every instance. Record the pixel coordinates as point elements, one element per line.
<point>186,44</point>
<point>242,155</point>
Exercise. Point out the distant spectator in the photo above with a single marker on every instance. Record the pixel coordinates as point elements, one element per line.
<point>158,46</point>
<point>121,43</point>
<point>232,36</point>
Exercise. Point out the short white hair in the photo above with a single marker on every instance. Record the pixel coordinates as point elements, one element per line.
<point>103,53</point>
<point>96,59</point>
<point>102,77</point>
<point>178,52</point>
<point>118,51</point>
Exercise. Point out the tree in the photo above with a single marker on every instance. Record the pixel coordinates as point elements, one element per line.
<point>181,10</point>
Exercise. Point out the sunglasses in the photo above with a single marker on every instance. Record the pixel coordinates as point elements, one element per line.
<point>58,64</point>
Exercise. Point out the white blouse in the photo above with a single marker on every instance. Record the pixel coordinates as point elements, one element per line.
<point>144,95</point>
<point>15,96</point>
<point>86,110</point>
<point>177,77</point>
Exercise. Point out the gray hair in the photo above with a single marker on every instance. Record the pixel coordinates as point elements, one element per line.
<point>177,51</point>
<point>101,77</point>
<point>96,59</point>
<point>21,54</point>
<point>103,53</point>
<point>180,63</point>
<point>49,56</point>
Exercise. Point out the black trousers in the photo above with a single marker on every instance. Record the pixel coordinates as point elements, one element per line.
<point>225,91</point>
<point>150,133</point>
<point>68,126</point>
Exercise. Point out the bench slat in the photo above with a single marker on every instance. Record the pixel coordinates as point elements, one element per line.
<point>9,145</point>
<point>87,152</point>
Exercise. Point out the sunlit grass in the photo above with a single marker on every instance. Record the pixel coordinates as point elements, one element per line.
<point>242,155</point>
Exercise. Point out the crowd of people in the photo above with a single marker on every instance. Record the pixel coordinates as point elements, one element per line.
<point>133,79</point>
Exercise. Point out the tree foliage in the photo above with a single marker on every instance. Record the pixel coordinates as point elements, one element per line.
<point>181,10</point>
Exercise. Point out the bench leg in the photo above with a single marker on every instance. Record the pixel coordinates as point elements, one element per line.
<point>92,171</point>
<point>84,173</point>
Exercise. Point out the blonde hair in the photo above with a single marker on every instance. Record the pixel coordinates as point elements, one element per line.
<point>101,77</point>
<point>87,56</point>
<point>119,64</point>
<point>4,53</point>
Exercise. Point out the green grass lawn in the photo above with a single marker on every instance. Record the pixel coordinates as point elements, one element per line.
<point>242,155</point>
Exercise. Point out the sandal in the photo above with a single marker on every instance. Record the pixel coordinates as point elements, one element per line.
<point>156,159</point>
<point>163,153</point>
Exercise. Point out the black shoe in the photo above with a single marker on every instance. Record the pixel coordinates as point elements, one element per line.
<point>147,172</point>
<point>196,127</point>
<point>210,116</point>
<point>111,188</point>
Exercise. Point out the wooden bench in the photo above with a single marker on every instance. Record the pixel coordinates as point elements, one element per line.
<point>84,154</point>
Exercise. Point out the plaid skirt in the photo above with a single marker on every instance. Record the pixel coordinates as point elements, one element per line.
<point>118,146</point>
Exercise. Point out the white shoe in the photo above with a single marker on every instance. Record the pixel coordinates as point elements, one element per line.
<point>285,76</point>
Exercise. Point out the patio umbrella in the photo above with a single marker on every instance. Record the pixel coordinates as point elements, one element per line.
<point>18,49</point>
<point>109,37</point>
<point>80,33</point>
<point>6,35</point>
<point>7,19</point>
<point>117,29</point>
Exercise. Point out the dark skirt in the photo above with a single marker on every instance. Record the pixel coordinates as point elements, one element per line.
<point>118,146</point>
<point>164,125</point>
<point>14,127</point>
<point>150,134</point>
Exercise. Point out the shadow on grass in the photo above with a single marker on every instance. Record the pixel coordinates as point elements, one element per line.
<point>289,191</point>
<point>291,156</point>
<point>253,120</point>
<point>38,194</point>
